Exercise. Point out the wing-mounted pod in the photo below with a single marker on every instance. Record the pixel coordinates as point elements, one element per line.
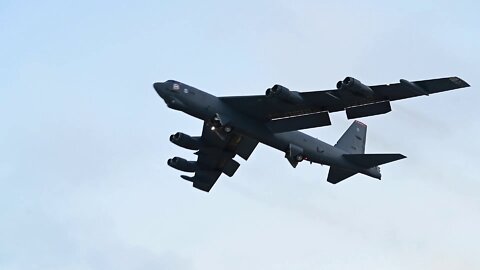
<point>413,87</point>
<point>182,164</point>
<point>186,141</point>
<point>355,87</point>
<point>283,93</point>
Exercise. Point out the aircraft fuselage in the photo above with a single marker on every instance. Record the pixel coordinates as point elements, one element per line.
<point>207,107</point>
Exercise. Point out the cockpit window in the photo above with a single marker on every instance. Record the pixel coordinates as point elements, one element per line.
<point>176,86</point>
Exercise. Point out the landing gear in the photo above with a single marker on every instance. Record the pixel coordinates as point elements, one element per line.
<point>299,158</point>
<point>227,129</point>
<point>220,124</point>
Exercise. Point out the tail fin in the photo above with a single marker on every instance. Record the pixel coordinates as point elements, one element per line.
<point>371,160</point>
<point>353,140</point>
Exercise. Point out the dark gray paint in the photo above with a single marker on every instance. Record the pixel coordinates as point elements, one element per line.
<point>235,125</point>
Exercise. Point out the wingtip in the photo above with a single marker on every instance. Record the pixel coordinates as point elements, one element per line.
<point>459,81</point>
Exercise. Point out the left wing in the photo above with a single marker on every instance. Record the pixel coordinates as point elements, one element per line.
<point>216,156</point>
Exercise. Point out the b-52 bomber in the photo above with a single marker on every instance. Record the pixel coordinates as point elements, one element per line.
<point>234,125</point>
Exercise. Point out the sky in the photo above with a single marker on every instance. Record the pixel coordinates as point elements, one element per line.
<point>84,182</point>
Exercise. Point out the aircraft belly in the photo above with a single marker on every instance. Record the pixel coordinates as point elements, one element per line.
<point>314,150</point>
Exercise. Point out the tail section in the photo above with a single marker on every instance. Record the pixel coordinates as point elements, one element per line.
<point>372,160</point>
<point>354,139</point>
<point>353,142</point>
<point>337,174</point>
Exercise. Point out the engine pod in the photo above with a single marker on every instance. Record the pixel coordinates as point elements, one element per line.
<point>355,87</point>
<point>185,141</point>
<point>182,164</point>
<point>283,93</point>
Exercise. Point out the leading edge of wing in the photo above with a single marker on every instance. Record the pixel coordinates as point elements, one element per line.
<point>267,108</point>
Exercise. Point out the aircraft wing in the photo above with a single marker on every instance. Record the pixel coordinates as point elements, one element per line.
<point>402,90</point>
<point>216,156</point>
<point>267,108</point>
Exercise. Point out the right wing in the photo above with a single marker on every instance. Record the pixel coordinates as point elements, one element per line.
<point>266,108</point>
<point>404,90</point>
<point>216,156</point>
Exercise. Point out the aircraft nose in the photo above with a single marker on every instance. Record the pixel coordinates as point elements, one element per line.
<point>157,86</point>
<point>160,89</point>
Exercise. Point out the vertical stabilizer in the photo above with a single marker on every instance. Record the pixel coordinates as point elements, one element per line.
<point>353,140</point>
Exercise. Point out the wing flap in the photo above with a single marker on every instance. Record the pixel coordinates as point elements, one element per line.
<point>204,180</point>
<point>245,147</point>
<point>230,167</point>
<point>368,110</point>
<point>300,122</point>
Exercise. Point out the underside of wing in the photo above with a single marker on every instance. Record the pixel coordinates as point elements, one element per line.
<point>266,108</point>
<point>357,99</point>
<point>215,156</point>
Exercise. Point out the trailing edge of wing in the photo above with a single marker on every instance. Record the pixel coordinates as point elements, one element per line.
<point>245,147</point>
<point>300,122</point>
<point>204,179</point>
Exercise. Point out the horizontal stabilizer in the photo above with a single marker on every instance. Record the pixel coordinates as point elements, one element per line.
<point>299,122</point>
<point>337,174</point>
<point>371,160</point>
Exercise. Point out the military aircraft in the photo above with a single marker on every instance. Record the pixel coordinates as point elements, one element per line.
<point>234,125</point>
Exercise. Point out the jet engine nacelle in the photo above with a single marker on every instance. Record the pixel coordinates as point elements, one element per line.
<point>185,141</point>
<point>284,94</point>
<point>355,86</point>
<point>182,164</point>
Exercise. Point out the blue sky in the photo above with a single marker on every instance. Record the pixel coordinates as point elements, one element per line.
<point>83,177</point>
